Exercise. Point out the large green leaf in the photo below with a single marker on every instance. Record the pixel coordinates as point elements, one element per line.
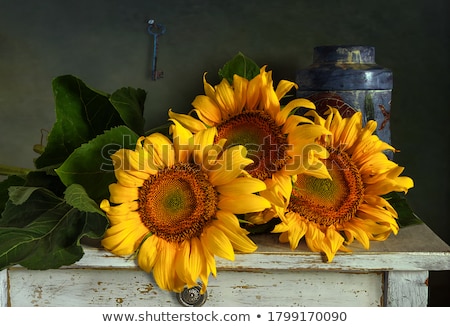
<point>129,103</point>
<point>76,196</point>
<point>81,114</point>
<point>240,65</point>
<point>406,215</point>
<point>90,164</point>
<point>12,180</point>
<point>42,231</point>
<point>12,216</point>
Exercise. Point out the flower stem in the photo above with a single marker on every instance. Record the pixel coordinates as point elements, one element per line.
<point>11,170</point>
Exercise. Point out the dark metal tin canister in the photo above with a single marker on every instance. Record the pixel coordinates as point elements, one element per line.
<point>347,78</point>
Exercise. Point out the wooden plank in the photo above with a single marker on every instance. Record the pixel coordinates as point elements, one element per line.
<point>407,289</point>
<point>296,288</point>
<point>103,279</point>
<point>3,288</point>
<point>370,261</point>
<point>126,287</point>
<point>396,253</point>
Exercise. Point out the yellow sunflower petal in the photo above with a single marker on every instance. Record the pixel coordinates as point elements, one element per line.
<point>124,238</point>
<point>359,232</point>
<point>281,228</point>
<point>378,215</point>
<point>297,229</point>
<point>253,92</point>
<point>229,219</point>
<point>203,142</point>
<point>148,253</point>
<point>135,163</point>
<point>130,216</point>
<point>141,161</point>
<point>218,243</point>
<point>162,147</point>
<point>275,196</point>
<point>228,167</point>
<point>284,183</point>
<point>121,209</point>
<point>209,266</point>
<point>128,179</point>
<point>284,87</point>
<point>397,184</point>
<point>183,141</point>
<point>208,88</point>
<point>334,240</point>
<point>282,115</point>
<point>165,278</point>
<point>269,101</point>
<point>314,238</point>
<point>306,134</point>
<point>309,162</point>
<point>238,239</point>
<point>197,266</point>
<point>378,201</point>
<point>225,98</point>
<point>293,121</point>
<point>118,158</point>
<point>241,185</point>
<point>182,264</point>
<point>121,194</point>
<point>363,151</point>
<point>243,203</point>
<point>351,130</point>
<point>336,126</point>
<point>189,122</point>
<point>207,109</point>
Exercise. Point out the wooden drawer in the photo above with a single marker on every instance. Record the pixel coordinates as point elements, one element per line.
<point>392,273</point>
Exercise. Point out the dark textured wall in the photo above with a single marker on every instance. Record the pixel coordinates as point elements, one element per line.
<point>105,43</point>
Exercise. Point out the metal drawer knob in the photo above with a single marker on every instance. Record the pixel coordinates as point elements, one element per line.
<point>191,297</point>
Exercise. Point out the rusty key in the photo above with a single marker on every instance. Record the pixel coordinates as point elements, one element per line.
<point>156,30</point>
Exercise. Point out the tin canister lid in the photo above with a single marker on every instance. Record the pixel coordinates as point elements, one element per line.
<point>344,68</point>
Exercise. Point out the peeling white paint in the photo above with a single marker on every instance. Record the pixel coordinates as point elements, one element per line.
<point>392,273</point>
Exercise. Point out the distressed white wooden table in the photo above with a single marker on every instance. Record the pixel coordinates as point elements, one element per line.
<point>391,273</point>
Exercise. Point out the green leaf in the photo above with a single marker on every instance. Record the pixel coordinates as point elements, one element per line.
<point>81,114</point>
<point>11,217</point>
<point>12,180</point>
<point>90,165</point>
<point>19,195</point>
<point>129,103</point>
<point>406,215</point>
<point>240,65</point>
<point>46,178</point>
<point>263,228</point>
<point>77,197</point>
<point>44,231</point>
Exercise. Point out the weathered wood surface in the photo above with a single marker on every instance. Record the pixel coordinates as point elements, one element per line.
<point>407,289</point>
<point>3,288</point>
<point>126,287</point>
<point>391,273</point>
<point>415,248</point>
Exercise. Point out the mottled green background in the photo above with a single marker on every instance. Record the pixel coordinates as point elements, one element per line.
<point>105,43</point>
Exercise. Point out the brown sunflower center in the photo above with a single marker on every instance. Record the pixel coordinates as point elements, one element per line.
<point>177,203</point>
<point>328,202</point>
<point>265,143</point>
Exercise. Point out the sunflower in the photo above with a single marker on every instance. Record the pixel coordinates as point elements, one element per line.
<point>248,112</point>
<point>331,212</point>
<point>174,204</point>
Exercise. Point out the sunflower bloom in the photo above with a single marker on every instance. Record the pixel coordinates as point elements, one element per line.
<point>249,113</point>
<point>332,213</point>
<point>174,206</point>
